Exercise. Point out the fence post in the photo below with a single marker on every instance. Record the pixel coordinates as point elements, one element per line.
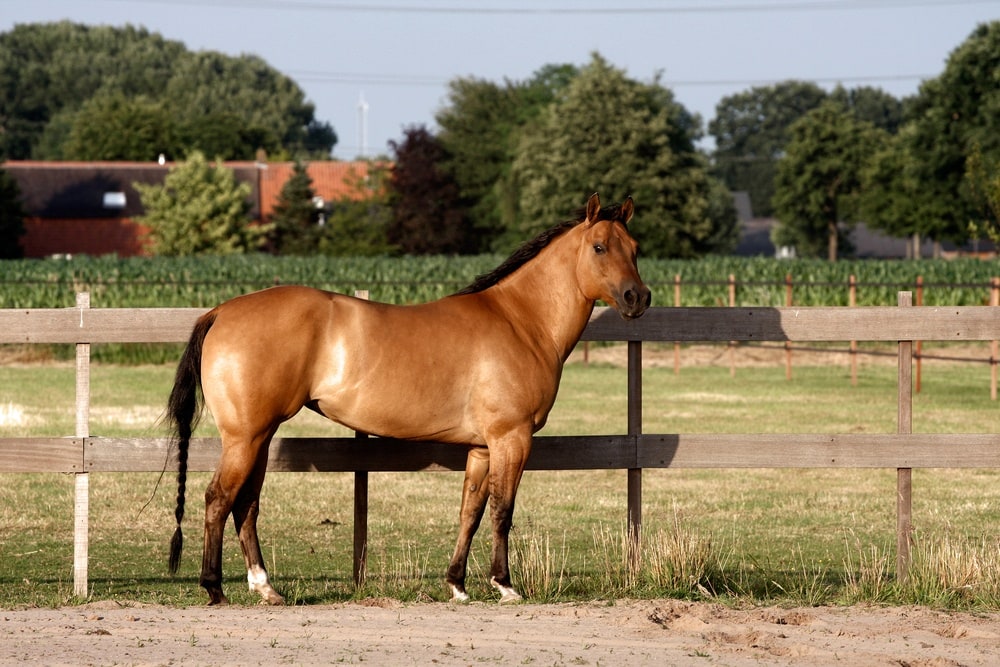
<point>919,349</point>
<point>81,503</point>
<point>852,301</point>
<point>677,304</point>
<point>788,343</point>
<point>904,476</point>
<point>994,352</point>
<point>634,474</point>
<point>360,508</point>
<point>732,343</point>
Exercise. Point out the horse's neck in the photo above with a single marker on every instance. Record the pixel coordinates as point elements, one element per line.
<point>543,297</point>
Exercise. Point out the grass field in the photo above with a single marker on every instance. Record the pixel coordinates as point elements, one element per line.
<point>778,536</point>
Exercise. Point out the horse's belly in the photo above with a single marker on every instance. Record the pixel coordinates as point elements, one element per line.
<point>400,420</point>
<point>395,405</point>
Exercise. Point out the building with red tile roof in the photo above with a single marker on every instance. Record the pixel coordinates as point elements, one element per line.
<point>91,207</point>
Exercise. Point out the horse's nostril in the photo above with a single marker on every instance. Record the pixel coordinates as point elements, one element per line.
<point>631,298</point>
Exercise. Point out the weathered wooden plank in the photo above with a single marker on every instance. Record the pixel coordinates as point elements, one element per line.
<point>147,454</point>
<point>363,455</point>
<point>41,455</point>
<point>710,450</point>
<point>877,323</point>
<point>350,454</point>
<point>854,450</point>
<point>97,325</point>
<point>881,323</point>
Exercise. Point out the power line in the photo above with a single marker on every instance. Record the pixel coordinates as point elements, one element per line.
<point>374,79</point>
<point>367,78</point>
<point>702,8</point>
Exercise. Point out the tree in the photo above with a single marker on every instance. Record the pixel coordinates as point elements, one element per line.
<point>49,71</point>
<point>47,68</point>
<point>11,217</point>
<point>270,106</point>
<point>984,189</point>
<point>427,216</point>
<point>610,134</point>
<point>892,198</point>
<point>479,132</point>
<point>357,222</point>
<point>356,228</point>
<point>819,178</point>
<point>295,218</point>
<point>200,210</point>
<point>871,104</point>
<point>113,127</point>
<point>751,130</point>
<point>952,116</point>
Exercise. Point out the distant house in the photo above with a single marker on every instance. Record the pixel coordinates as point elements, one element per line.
<point>90,207</point>
<point>755,240</point>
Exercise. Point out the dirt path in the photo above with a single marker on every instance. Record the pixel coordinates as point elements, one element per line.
<point>659,632</point>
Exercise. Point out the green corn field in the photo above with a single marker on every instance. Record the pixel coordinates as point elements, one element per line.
<point>205,281</point>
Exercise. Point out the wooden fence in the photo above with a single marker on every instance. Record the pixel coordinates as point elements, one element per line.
<point>731,285</point>
<point>632,451</point>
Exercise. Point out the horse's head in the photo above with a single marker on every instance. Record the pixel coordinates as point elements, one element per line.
<point>606,265</point>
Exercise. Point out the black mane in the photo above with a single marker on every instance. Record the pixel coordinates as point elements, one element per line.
<point>529,250</point>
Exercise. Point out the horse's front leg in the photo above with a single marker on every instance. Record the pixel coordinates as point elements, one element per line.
<point>475,491</point>
<point>507,458</point>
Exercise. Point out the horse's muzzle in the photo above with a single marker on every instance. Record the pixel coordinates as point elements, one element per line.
<point>634,301</point>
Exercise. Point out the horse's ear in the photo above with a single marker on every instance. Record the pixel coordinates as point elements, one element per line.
<point>627,210</point>
<point>593,208</point>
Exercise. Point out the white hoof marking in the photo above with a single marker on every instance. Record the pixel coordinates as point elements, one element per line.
<point>258,582</point>
<point>458,595</point>
<point>507,594</point>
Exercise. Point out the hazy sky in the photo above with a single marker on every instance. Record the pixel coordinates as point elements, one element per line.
<point>398,55</point>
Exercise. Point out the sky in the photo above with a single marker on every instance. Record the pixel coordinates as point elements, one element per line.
<point>373,69</point>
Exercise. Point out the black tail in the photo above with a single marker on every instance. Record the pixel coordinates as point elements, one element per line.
<point>183,412</point>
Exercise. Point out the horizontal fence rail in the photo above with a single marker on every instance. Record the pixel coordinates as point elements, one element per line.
<point>83,454</point>
<point>585,452</point>
<point>704,324</point>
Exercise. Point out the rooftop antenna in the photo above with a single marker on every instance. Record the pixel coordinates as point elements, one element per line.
<point>363,125</point>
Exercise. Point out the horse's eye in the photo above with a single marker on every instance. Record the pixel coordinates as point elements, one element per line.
<point>599,248</point>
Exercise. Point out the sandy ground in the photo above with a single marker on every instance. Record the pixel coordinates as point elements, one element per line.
<point>384,632</point>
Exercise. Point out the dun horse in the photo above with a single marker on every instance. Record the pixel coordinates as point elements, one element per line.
<point>479,368</point>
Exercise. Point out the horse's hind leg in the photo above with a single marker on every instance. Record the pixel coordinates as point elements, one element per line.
<point>237,468</point>
<point>245,512</point>
<point>475,492</point>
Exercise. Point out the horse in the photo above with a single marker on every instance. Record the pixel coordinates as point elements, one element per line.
<point>478,368</point>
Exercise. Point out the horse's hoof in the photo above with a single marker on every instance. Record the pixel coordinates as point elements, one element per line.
<point>274,599</point>
<point>510,596</point>
<point>219,600</point>
<point>507,593</point>
<point>458,595</point>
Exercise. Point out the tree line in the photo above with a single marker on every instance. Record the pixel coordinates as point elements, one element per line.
<point>510,158</point>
